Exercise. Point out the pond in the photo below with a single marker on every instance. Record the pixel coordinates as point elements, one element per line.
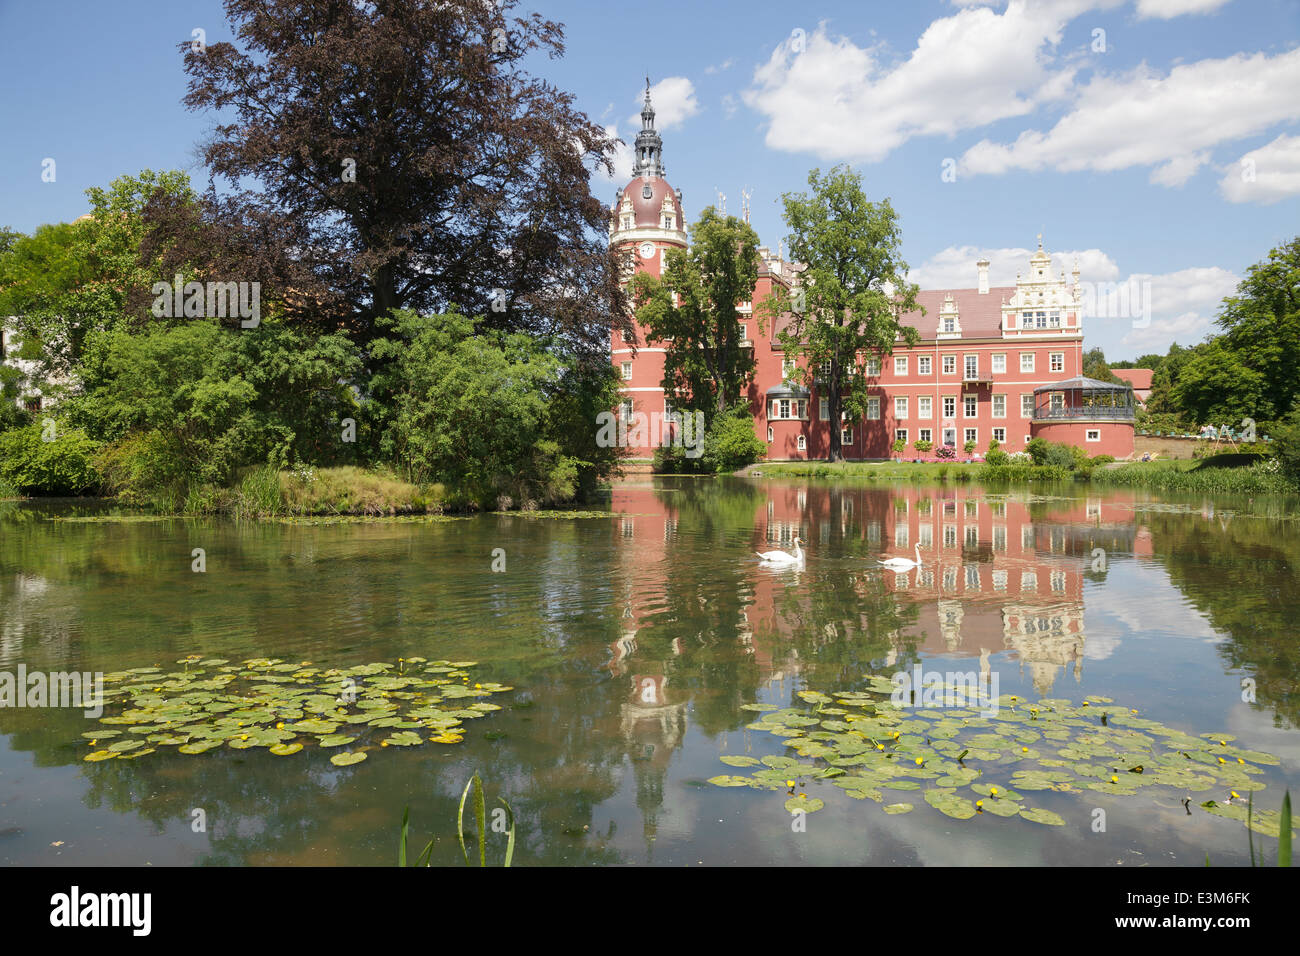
<point>632,641</point>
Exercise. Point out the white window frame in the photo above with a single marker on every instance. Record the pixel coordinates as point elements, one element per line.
<point>873,407</point>
<point>1026,405</point>
<point>999,363</point>
<point>970,434</point>
<point>953,412</point>
<point>923,365</point>
<point>873,367</point>
<point>925,406</point>
<point>901,433</point>
<point>970,366</point>
<point>970,406</point>
<point>924,434</point>
<point>1000,435</point>
<point>1056,361</point>
<point>900,365</point>
<point>900,407</point>
<point>1002,412</point>
<point>626,371</point>
<point>846,435</point>
<point>1092,434</point>
<point>1026,361</point>
<point>824,409</point>
<point>803,443</point>
<point>950,365</point>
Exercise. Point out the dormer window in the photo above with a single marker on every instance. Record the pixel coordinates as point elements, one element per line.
<point>668,222</point>
<point>627,222</point>
<point>949,324</point>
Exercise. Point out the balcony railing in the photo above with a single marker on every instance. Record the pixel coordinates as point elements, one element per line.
<point>1116,412</point>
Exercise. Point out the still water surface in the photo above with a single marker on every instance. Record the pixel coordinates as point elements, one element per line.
<point>633,639</point>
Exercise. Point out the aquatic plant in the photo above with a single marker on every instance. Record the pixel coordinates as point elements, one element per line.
<point>266,702</point>
<point>864,744</point>
<point>480,819</point>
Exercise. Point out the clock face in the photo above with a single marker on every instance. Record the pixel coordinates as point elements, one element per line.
<point>647,250</point>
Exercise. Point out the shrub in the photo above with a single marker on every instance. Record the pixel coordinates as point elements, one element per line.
<point>62,466</point>
<point>899,445</point>
<point>946,452</point>
<point>997,456</point>
<point>730,443</point>
<point>969,446</point>
<point>922,445</point>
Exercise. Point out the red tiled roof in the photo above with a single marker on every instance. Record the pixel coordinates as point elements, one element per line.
<point>1139,378</point>
<point>979,316</point>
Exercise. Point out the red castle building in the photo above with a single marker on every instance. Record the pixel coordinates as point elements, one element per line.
<point>1000,362</point>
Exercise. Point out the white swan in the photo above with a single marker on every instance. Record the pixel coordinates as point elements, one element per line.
<point>781,557</point>
<point>902,564</point>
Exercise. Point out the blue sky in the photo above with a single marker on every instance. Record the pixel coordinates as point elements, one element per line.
<point>1117,129</point>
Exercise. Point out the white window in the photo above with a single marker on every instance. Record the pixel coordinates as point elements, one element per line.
<point>787,368</point>
<point>900,408</point>
<point>1000,435</point>
<point>1026,406</point>
<point>846,435</point>
<point>769,433</point>
<point>1093,434</point>
<point>803,443</point>
<point>785,408</point>
<point>971,435</point>
<point>971,409</point>
<point>668,222</point>
<point>972,367</point>
<point>801,409</point>
<point>1058,361</point>
<point>1026,361</point>
<point>824,409</point>
<point>627,222</point>
<point>923,365</point>
<point>625,410</point>
<point>824,371</point>
<point>949,365</point>
<point>744,332</point>
<point>1058,401</point>
<point>1054,319</point>
<point>627,370</point>
<point>999,363</point>
<point>900,366</point>
<point>873,366</point>
<point>949,324</point>
<point>999,406</point>
<point>924,434</point>
<point>900,434</point>
<point>949,406</point>
<point>1041,319</point>
<point>924,406</point>
<point>873,407</point>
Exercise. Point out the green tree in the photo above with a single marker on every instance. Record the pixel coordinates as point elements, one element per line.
<point>471,408</point>
<point>1261,326</point>
<point>853,291</point>
<point>1216,386</point>
<point>694,306</point>
<point>68,282</point>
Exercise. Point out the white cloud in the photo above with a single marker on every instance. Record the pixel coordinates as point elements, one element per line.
<point>623,157</point>
<point>1144,119</point>
<point>720,67</point>
<point>1184,305</point>
<point>1168,9</point>
<point>1265,175</point>
<point>828,96</point>
<point>674,101</point>
<point>954,267</point>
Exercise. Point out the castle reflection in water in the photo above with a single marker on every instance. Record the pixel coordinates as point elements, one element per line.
<point>1001,574</point>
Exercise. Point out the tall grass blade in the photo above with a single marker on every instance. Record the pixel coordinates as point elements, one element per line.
<point>510,833</point>
<point>480,815</point>
<point>460,820</point>
<point>406,825</point>
<point>1284,832</point>
<point>1250,834</point>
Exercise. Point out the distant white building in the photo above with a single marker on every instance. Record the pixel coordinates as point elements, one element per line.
<point>29,395</point>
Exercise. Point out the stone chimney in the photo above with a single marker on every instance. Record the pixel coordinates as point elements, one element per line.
<point>983,266</point>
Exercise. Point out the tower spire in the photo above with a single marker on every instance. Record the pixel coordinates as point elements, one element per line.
<point>649,145</point>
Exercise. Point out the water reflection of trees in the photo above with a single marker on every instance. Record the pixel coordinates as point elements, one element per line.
<point>1243,573</point>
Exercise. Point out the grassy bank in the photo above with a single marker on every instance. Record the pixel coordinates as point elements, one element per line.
<point>1207,475</point>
